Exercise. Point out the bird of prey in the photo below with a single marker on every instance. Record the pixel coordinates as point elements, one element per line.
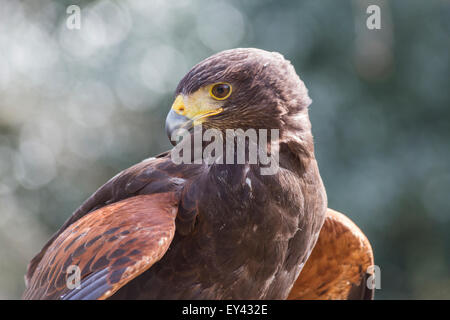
<point>167,230</point>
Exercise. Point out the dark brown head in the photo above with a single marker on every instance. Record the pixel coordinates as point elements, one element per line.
<point>241,88</point>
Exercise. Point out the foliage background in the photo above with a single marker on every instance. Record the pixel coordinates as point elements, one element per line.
<point>76,107</point>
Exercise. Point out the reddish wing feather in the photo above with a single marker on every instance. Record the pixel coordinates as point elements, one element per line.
<point>111,246</point>
<point>337,267</point>
<point>151,176</point>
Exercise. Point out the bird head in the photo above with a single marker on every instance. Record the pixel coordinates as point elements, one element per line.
<point>241,89</point>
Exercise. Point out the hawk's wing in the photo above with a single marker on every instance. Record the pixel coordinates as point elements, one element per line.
<point>132,209</point>
<point>338,266</point>
<point>110,246</point>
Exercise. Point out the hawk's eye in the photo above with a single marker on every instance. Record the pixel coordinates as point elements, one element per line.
<point>220,91</point>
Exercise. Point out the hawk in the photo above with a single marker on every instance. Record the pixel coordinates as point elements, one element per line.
<point>166,230</point>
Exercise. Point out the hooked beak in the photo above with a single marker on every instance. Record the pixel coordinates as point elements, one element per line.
<point>187,115</point>
<point>175,121</point>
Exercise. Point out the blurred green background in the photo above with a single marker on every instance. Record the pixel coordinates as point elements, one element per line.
<point>78,106</point>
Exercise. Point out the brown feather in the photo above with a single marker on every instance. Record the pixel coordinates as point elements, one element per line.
<point>337,267</point>
<point>125,239</point>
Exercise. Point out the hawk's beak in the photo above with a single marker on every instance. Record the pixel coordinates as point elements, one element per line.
<point>176,118</point>
<point>175,121</point>
<point>187,115</point>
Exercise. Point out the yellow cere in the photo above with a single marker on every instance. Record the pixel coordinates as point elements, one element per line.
<point>199,105</point>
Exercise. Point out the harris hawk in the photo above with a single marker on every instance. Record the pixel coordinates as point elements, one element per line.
<point>166,230</point>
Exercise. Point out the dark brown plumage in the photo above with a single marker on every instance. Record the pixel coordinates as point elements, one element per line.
<point>232,239</point>
<point>338,267</point>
